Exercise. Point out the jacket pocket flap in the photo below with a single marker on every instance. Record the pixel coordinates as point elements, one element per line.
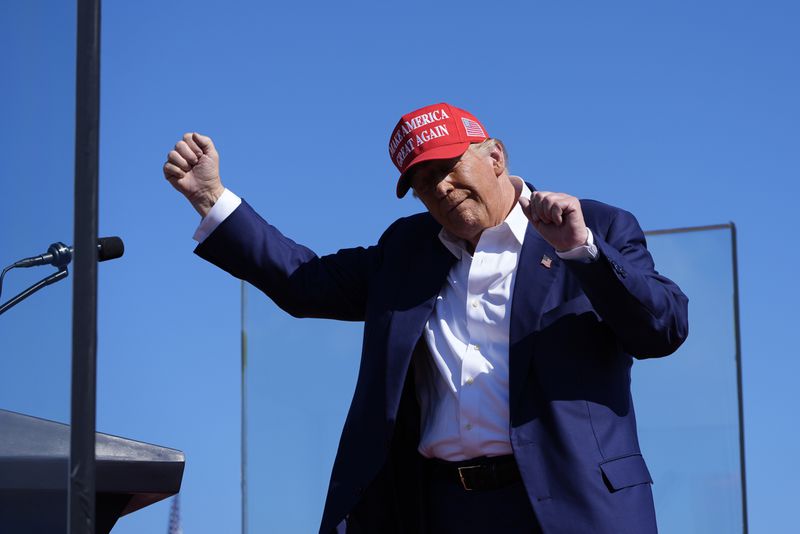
<point>625,472</point>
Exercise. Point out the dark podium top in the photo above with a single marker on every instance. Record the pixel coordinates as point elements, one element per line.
<point>34,458</point>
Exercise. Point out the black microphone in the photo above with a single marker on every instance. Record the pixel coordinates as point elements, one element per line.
<point>59,254</point>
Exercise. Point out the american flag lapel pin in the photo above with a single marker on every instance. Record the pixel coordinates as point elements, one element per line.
<point>547,261</point>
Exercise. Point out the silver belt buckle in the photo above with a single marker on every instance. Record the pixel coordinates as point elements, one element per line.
<point>461,471</point>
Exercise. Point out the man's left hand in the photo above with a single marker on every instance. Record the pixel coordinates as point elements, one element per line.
<point>557,217</point>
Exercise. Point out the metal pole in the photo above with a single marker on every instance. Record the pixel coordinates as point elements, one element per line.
<point>243,435</point>
<point>81,493</point>
<point>738,338</point>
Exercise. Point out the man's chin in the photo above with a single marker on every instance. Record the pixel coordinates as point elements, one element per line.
<point>464,229</point>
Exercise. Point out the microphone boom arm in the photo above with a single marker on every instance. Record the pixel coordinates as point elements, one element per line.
<point>52,279</point>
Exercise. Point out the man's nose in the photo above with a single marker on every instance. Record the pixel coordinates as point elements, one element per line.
<point>444,186</point>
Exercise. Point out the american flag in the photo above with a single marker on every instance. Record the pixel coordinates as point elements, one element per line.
<point>175,517</point>
<point>473,128</point>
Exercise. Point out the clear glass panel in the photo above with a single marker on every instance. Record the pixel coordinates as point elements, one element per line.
<point>299,377</point>
<point>687,405</point>
<point>37,106</point>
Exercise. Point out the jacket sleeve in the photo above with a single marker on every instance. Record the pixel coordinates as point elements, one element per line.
<point>647,311</point>
<point>294,277</point>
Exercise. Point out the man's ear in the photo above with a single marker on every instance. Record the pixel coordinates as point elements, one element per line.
<point>498,155</point>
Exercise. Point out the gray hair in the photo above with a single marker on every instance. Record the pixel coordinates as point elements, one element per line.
<point>488,145</point>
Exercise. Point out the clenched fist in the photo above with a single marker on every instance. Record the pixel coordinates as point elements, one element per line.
<point>192,168</point>
<point>557,217</point>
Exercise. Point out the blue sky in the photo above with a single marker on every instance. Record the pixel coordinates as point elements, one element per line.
<point>684,113</point>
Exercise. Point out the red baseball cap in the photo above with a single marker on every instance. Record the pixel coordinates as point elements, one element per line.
<point>440,131</point>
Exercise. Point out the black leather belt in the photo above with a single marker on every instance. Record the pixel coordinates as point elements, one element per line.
<point>484,473</point>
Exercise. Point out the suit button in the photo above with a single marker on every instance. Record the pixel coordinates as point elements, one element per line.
<point>618,269</point>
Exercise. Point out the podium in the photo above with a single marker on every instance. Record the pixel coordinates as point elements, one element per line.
<point>34,458</point>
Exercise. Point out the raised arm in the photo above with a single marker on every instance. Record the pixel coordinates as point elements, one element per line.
<point>647,311</point>
<point>246,246</point>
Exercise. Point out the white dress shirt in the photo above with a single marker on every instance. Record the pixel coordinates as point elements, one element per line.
<point>463,391</point>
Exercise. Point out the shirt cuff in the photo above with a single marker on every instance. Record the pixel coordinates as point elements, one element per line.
<point>586,253</point>
<point>224,206</point>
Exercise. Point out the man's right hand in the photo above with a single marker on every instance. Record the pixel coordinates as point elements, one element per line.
<point>193,169</point>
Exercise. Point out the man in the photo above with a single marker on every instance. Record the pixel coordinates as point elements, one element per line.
<point>494,388</point>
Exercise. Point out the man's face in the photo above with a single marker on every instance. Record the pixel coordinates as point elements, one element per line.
<point>465,194</point>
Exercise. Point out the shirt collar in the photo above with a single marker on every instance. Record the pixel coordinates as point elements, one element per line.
<point>516,222</point>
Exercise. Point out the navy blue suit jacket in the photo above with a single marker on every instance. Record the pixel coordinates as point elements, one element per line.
<point>575,328</point>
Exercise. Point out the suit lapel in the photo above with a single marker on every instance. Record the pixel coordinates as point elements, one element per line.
<point>415,298</point>
<point>537,269</point>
